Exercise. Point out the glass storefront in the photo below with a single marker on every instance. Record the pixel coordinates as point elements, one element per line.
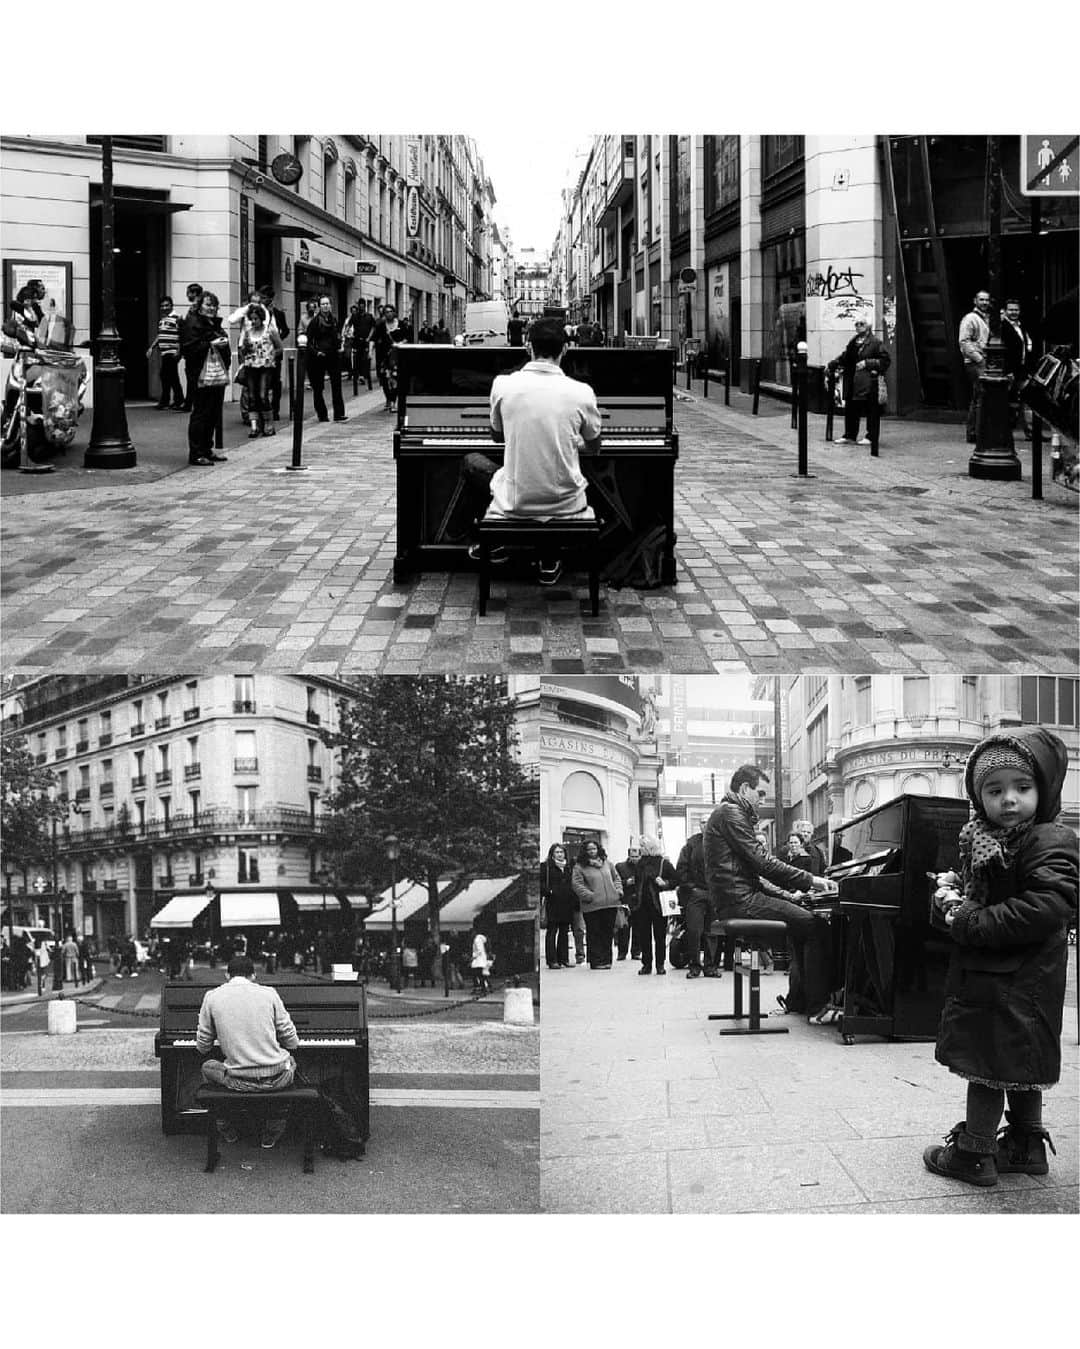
<point>783,306</point>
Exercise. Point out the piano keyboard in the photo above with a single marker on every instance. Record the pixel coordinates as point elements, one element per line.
<point>331,1042</point>
<point>472,442</point>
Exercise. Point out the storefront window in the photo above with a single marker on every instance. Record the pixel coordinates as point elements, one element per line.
<point>680,185</point>
<point>722,171</point>
<point>778,152</point>
<point>783,305</point>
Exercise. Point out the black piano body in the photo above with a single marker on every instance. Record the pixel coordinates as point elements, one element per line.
<point>443,414</point>
<point>330,1019</point>
<point>894,962</point>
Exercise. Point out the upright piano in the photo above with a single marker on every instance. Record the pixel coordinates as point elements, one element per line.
<point>443,414</point>
<point>330,1019</point>
<point>894,962</point>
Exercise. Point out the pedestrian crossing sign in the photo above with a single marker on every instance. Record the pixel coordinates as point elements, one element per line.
<point>1050,166</point>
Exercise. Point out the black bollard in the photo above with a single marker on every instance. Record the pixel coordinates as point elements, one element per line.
<point>705,377</point>
<point>873,422</point>
<point>801,403</point>
<point>757,386</point>
<point>689,368</point>
<point>298,413</point>
<point>1036,457</point>
<point>796,376</point>
<point>219,429</point>
<point>292,388</point>
<point>727,381</point>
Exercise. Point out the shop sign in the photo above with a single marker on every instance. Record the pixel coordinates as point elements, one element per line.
<point>412,212</point>
<point>412,162</point>
<point>305,252</point>
<point>1050,166</point>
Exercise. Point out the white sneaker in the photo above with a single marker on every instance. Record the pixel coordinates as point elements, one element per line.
<point>865,441</point>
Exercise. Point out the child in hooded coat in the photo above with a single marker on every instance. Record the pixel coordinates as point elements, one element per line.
<point>1008,913</point>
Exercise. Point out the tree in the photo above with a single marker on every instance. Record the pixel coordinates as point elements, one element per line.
<point>27,807</point>
<point>429,759</point>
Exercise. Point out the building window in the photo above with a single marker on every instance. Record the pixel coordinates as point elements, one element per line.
<point>162,718</point>
<point>783,305</point>
<point>969,697</point>
<point>817,740</point>
<point>818,803</point>
<point>245,805</point>
<point>780,152</point>
<point>105,729</point>
<point>313,802</point>
<point>194,799</point>
<point>247,865</point>
<point>721,172</point>
<point>581,792</point>
<point>917,698</point>
<point>264,153</point>
<point>191,700</point>
<point>138,770</point>
<point>244,693</point>
<point>815,686</point>
<point>863,709</point>
<point>82,734</point>
<point>680,184</point>
<point>165,803</point>
<point>1046,701</point>
<point>245,760</point>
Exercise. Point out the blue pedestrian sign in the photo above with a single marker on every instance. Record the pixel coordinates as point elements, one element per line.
<point>1050,166</point>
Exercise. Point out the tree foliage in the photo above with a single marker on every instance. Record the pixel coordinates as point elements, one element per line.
<point>430,760</point>
<point>27,807</point>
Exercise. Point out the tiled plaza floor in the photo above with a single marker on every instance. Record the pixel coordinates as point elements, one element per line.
<point>904,563</point>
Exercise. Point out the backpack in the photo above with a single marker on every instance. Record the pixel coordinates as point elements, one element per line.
<point>640,563</point>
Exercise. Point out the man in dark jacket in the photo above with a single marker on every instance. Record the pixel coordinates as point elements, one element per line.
<point>734,865</point>
<point>815,858</point>
<point>323,360</point>
<point>697,908</point>
<point>626,938</point>
<point>1019,357</point>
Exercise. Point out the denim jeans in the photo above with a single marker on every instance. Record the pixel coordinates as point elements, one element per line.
<point>577,924</point>
<point>557,943</point>
<point>650,929</point>
<point>698,912</point>
<point>973,371</point>
<point>808,977</point>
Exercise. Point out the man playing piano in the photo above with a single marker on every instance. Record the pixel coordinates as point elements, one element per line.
<point>255,1034</point>
<point>734,868</point>
<point>547,421</point>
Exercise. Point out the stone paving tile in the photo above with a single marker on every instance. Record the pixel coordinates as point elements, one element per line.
<point>871,565</point>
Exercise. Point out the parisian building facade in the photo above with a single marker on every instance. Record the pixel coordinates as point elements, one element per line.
<point>748,245</point>
<point>178,782</point>
<point>401,220</point>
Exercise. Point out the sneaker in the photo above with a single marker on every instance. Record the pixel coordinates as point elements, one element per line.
<point>865,441</point>
<point>272,1131</point>
<point>341,419</point>
<point>220,458</point>
<point>661,970</point>
<point>498,554</point>
<point>974,1168</point>
<point>226,1131</point>
<point>644,971</point>
<point>711,972</point>
<point>693,972</point>
<point>550,573</point>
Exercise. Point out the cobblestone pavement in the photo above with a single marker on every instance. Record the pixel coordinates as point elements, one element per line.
<point>904,563</point>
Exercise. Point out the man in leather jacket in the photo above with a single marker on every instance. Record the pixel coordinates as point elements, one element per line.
<point>626,938</point>
<point>734,868</point>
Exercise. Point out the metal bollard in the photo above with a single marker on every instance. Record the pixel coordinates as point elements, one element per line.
<point>727,381</point>
<point>1036,457</point>
<point>801,407</point>
<point>705,378</point>
<point>219,429</point>
<point>795,379</point>
<point>873,423</point>
<point>831,407</point>
<point>292,388</point>
<point>298,413</point>
<point>757,386</point>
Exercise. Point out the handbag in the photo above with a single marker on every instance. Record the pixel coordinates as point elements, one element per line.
<point>621,920</point>
<point>241,376</point>
<point>882,391</point>
<point>213,373</point>
<point>543,913</point>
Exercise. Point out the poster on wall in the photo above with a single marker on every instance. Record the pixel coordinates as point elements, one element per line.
<point>719,309</point>
<point>56,279</point>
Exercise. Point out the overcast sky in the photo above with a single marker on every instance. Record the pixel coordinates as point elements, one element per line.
<point>528,171</point>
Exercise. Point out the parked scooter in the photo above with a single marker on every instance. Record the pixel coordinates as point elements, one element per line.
<point>42,400</point>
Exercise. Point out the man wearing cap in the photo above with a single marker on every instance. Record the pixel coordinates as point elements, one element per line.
<point>255,1034</point>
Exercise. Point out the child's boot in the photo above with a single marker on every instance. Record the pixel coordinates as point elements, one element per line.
<point>1021,1148</point>
<point>964,1157</point>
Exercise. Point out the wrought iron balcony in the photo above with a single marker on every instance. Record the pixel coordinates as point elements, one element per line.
<point>138,729</point>
<point>191,714</point>
<point>243,705</point>
<point>162,723</point>
<point>214,821</point>
<point>106,788</point>
<point>313,718</point>
<point>105,740</point>
<point>163,778</point>
<point>314,773</point>
<point>60,753</point>
<point>245,765</point>
<point>165,882</point>
<point>82,794</point>
<point>81,746</point>
<point>138,783</point>
<point>192,770</point>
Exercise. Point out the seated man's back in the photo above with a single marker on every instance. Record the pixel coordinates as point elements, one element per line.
<point>546,419</point>
<point>250,1023</point>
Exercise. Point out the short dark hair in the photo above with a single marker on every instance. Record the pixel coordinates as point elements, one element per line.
<point>208,295</point>
<point>1012,301</point>
<point>268,291</point>
<point>194,288</point>
<point>165,299</point>
<point>241,965</point>
<point>749,775</point>
<point>547,337</point>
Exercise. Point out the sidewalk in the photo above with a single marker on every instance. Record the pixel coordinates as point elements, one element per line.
<point>8,999</point>
<point>646,1108</point>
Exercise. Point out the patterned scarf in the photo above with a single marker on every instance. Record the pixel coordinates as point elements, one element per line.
<point>985,849</point>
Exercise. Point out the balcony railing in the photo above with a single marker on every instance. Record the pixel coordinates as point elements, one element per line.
<point>243,705</point>
<point>196,878</point>
<point>163,778</point>
<point>82,794</point>
<point>138,783</point>
<point>109,884</point>
<point>191,714</point>
<point>60,753</point>
<point>40,758</point>
<point>138,729</point>
<point>212,821</point>
<point>106,788</point>
<point>89,886</point>
<point>81,746</point>
<point>165,882</point>
<point>245,765</point>
<point>313,717</point>
<point>105,740</point>
<point>162,723</point>
<point>192,770</point>
<point>314,773</point>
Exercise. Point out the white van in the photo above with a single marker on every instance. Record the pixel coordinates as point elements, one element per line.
<point>486,323</point>
<point>45,934</point>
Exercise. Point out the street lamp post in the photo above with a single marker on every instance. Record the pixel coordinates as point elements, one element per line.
<point>110,445</point>
<point>393,850</point>
<point>211,895</point>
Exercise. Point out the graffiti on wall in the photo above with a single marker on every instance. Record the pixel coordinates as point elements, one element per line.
<point>836,299</point>
<point>829,284</point>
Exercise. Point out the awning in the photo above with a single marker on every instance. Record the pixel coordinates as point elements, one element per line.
<point>145,205</point>
<point>250,908</point>
<point>458,915</point>
<point>358,901</point>
<point>410,899</point>
<point>308,902</point>
<point>271,231</point>
<point>181,910</point>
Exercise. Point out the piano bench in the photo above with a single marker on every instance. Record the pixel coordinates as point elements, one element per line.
<point>753,933</point>
<point>221,1103</point>
<point>547,536</point>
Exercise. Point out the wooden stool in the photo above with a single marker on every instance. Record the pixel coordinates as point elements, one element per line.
<point>547,536</point>
<point>753,933</point>
<point>221,1103</point>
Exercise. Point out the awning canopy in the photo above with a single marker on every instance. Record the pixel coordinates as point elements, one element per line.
<point>144,205</point>
<point>250,908</point>
<point>273,231</point>
<point>308,902</point>
<point>358,901</point>
<point>410,899</point>
<point>181,910</point>
<point>458,915</point>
